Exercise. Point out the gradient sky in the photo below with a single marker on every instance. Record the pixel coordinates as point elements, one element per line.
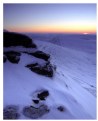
<point>67,18</point>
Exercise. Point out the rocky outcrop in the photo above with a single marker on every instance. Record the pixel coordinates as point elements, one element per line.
<point>16,39</point>
<point>38,108</point>
<point>43,94</point>
<point>13,56</point>
<point>34,113</point>
<point>61,108</point>
<point>46,69</point>
<point>40,54</point>
<point>11,112</point>
<point>35,101</point>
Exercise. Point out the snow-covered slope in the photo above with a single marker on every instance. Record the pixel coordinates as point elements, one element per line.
<point>75,68</point>
<point>81,66</point>
<point>80,42</point>
<point>73,85</point>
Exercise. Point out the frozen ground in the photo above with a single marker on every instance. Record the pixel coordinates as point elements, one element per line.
<point>73,85</point>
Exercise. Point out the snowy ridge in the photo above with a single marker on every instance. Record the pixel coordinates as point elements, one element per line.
<point>73,85</point>
<point>71,68</point>
<point>80,65</point>
<point>80,42</point>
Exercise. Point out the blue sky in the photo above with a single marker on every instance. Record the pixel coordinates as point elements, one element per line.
<point>68,18</point>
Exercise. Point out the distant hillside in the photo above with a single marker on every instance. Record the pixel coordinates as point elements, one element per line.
<point>4,30</point>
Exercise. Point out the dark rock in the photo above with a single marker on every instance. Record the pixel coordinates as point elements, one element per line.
<point>40,54</point>
<point>46,70</point>
<point>12,53</point>
<point>14,59</point>
<point>34,113</point>
<point>4,30</point>
<point>43,95</point>
<point>13,56</point>
<point>36,101</point>
<point>4,58</point>
<point>11,112</point>
<point>16,39</point>
<point>91,85</point>
<point>32,65</point>
<point>61,108</point>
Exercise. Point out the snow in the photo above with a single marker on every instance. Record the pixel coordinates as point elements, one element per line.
<point>29,59</point>
<point>73,41</point>
<point>19,49</point>
<point>73,85</point>
<point>79,65</point>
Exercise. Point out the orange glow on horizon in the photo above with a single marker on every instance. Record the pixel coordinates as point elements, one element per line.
<point>56,29</point>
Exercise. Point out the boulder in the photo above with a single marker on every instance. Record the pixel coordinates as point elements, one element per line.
<point>36,101</point>
<point>16,39</point>
<point>34,113</point>
<point>46,69</point>
<point>11,112</point>
<point>40,54</point>
<point>61,108</point>
<point>42,95</point>
<point>13,56</point>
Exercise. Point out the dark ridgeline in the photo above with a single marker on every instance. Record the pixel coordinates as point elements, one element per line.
<point>17,39</point>
<point>5,30</point>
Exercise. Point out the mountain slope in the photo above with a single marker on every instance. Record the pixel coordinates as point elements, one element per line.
<point>80,65</point>
<point>74,68</point>
<point>73,85</point>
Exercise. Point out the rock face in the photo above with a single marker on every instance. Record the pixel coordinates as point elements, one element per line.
<point>40,54</point>
<point>34,113</point>
<point>16,39</point>
<point>11,112</point>
<point>13,56</point>
<point>46,69</point>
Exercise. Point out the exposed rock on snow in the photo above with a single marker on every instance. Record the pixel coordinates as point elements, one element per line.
<point>61,108</point>
<point>13,56</point>
<point>41,54</point>
<point>69,93</point>
<point>39,97</point>
<point>42,95</point>
<point>33,113</point>
<point>36,101</point>
<point>16,39</point>
<point>46,69</point>
<point>11,112</point>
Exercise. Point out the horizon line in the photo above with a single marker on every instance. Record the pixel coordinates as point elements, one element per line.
<point>85,33</point>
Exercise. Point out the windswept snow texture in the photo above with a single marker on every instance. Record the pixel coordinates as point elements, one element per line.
<point>73,85</point>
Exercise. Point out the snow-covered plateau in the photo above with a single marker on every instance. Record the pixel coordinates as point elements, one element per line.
<point>72,87</point>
